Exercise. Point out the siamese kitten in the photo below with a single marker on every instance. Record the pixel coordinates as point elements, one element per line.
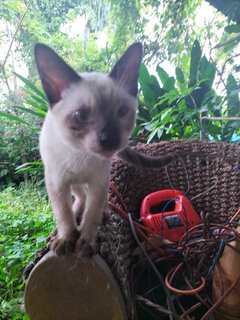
<point>90,118</point>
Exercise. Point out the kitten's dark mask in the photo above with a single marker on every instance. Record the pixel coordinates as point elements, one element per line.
<point>91,110</point>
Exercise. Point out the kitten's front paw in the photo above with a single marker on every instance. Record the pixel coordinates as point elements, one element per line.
<point>85,247</point>
<point>62,246</point>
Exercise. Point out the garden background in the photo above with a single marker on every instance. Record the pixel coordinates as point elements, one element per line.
<point>190,72</point>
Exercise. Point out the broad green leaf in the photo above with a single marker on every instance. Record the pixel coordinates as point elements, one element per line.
<point>31,86</point>
<point>37,105</point>
<point>33,163</point>
<point>28,170</point>
<point>232,28</point>
<point>168,96</point>
<point>207,71</point>
<point>233,97</point>
<point>152,135</point>
<point>159,115</point>
<point>167,81</point>
<point>196,54</point>
<point>159,133</point>
<point>150,126</point>
<point>36,98</point>
<point>28,167</point>
<point>163,75</point>
<point>149,87</point>
<point>17,119</point>
<point>231,83</point>
<point>166,116</point>
<point>41,114</point>
<point>179,75</point>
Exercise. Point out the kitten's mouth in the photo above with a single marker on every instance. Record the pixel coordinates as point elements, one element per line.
<point>106,153</point>
<point>101,152</point>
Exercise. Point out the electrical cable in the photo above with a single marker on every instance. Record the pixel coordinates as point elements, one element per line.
<point>170,277</point>
<point>216,258</point>
<point>172,308</point>
<point>197,245</point>
<point>187,176</point>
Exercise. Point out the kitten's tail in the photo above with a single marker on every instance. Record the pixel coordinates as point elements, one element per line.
<point>137,159</point>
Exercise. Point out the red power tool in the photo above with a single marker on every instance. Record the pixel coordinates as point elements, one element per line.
<point>168,213</point>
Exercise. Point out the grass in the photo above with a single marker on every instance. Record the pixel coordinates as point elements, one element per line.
<point>25,222</point>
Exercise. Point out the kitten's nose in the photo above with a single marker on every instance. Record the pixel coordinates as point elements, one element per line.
<point>108,139</point>
<point>103,138</point>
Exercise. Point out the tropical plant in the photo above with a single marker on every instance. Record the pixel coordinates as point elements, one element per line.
<point>172,107</point>
<point>20,126</point>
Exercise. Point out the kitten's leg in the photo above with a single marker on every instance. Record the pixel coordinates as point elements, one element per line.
<point>78,206</point>
<point>96,200</point>
<point>67,233</point>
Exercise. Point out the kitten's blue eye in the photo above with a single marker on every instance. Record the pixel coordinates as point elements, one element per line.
<point>122,111</point>
<point>81,115</point>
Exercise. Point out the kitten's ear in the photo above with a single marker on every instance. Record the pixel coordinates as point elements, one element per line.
<point>126,69</point>
<point>56,74</point>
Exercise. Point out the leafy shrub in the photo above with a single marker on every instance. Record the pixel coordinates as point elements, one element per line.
<point>20,129</point>
<point>19,145</point>
<point>172,107</point>
<point>25,222</point>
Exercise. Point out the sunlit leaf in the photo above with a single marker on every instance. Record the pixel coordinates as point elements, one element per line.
<point>31,86</point>
<point>39,113</point>
<point>17,119</point>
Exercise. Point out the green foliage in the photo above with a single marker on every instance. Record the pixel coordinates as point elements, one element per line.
<point>125,22</point>
<point>172,107</point>
<point>174,29</point>
<point>19,144</point>
<point>232,28</point>
<point>47,22</point>
<point>20,128</point>
<point>25,222</point>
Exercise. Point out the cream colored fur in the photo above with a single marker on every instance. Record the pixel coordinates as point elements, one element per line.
<point>80,166</point>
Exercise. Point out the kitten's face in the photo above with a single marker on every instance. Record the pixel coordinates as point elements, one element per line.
<point>94,111</point>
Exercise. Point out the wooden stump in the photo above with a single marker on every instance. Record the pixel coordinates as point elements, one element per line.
<point>66,288</point>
